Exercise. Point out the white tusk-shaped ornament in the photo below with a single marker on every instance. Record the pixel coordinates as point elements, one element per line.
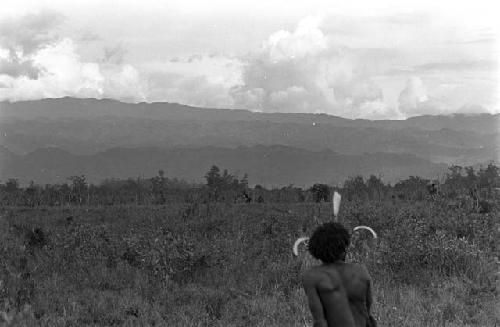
<point>297,243</point>
<point>367,228</point>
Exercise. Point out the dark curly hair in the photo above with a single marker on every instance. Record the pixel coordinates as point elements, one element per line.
<point>329,242</point>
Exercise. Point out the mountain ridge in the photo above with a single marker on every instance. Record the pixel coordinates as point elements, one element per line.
<point>58,108</point>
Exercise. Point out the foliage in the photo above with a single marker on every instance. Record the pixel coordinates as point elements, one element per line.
<point>320,192</point>
<point>463,186</point>
<point>231,265</point>
<point>160,251</point>
<point>225,186</point>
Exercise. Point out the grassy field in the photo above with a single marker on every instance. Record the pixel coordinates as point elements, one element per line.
<point>231,265</point>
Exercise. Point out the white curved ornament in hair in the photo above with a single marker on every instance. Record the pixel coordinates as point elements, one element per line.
<point>297,243</point>
<point>367,228</point>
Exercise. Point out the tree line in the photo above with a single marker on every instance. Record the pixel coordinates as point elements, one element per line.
<point>460,183</point>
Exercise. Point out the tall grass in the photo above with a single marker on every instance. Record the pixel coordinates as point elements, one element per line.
<point>231,265</point>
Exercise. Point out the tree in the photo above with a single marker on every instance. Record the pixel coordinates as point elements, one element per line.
<point>320,192</point>
<point>488,178</point>
<point>454,180</point>
<point>226,186</point>
<point>414,188</point>
<point>12,189</point>
<point>12,185</point>
<point>355,188</point>
<point>79,188</point>
<point>375,186</point>
<point>213,177</point>
<point>244,181</point>
<point>470,177</point>
<point>159,184</point>
<point>31,194</point>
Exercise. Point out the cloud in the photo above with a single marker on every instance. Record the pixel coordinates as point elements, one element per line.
<point>253,98</point>
<point>36,62</point>
<point>447,93</point>
<point>21,37</point>
<point>413,94</point>
<point>294,98</point>
<point>458,66</point>
<point>190,90</point>
<point>377,109</point>
<point>197,80</point>
<point>414,100</point>
<point>115,54</point>
<point>306,40</point>
<point>88,36</point>
<point>302,71</point>
<point>26,34</point>
<point>15,67</point>
<point>65,75</point>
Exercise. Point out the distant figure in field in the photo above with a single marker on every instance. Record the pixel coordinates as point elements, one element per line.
<point>339,293</point>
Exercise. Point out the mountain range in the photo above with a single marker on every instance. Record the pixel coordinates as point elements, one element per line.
<point>48,140</point>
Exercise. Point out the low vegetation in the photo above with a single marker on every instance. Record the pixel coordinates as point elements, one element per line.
<point>221,263</point>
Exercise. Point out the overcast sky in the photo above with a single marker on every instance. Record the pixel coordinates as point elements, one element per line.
<point>351,58</point>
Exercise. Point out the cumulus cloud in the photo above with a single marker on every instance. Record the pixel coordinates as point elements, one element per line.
<point>114,54</point>
<point>88,36</point>
<point>26,34</point>
<point>193,90</point>
<point>249,98</point>
<point>15,67</point>
<point>444,94</point>
<point>302,71</point>
<point>414,100</point>
<point>65,75</point>
<point>197,80</point>
<point>36,62</point>
<point>412,95</point>
<point>21,37</point>
<point>306,40</point>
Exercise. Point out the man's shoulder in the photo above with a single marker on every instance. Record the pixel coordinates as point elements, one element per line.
<point>358,270</point>
<point>320,276</point>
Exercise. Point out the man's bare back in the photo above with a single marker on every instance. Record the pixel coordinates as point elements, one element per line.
<point>339,294</point>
